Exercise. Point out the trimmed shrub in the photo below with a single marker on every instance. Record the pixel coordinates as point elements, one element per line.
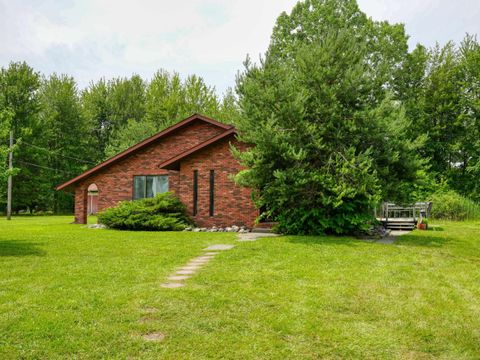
<point>165,212</point>
<point>450,205</point>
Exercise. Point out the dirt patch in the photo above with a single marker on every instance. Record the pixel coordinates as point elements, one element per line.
<point>154,336</point>
<point>145,320</point>
<point>150,310</point>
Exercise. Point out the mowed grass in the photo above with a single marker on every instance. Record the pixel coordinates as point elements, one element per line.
<point>71,292</point>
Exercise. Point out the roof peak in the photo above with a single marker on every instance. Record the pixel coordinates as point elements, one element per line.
<point>144,143</point>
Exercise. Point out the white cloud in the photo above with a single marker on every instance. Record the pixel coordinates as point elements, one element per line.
<point>93,38</point>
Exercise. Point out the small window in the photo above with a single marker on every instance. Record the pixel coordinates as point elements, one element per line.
<point>149,186</point>
<point>195,192</point>
<point>212,192</point>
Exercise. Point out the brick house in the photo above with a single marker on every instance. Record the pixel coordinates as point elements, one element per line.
<point>192,159</point>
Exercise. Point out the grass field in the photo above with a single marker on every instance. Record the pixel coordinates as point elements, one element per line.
<point>71,292</point>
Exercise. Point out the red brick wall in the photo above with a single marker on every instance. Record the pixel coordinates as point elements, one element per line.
<point>115,183</point>
<point>233,205</point>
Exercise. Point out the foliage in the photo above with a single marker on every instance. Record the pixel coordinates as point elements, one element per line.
<point>19,86</point>
<point>449,205</point>
<point>164,212</point>
<point>328,143</point>
<point>168,100</point>
<point>5,123</point>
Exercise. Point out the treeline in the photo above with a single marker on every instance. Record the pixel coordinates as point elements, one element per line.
<point>60,130</point>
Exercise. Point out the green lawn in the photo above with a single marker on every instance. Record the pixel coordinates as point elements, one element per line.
<point>71,292</point>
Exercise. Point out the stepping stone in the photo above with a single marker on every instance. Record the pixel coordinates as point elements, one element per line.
<point>210,253</point>
<point>220,247</point>
<point>151,310</point>
<point>155,336</point>
<point>190,267</point>
<point>252,236</point>
<point>199,261</point>
<point>185,272</point>
<point>178,277</point>
<point>172,285</point>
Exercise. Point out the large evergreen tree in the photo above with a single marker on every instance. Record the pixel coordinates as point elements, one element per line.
<point>330,141</point>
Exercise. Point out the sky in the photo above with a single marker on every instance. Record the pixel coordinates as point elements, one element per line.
<point>90,39</point>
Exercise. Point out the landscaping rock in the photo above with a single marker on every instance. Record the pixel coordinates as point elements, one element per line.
<point>96,226</point>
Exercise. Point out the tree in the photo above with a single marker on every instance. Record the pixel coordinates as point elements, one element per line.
<point>6,116</point>
<point>64,142</point>
<point>329,139</point>
<point>469,147</point>
<point>169,100</point>
<point>19,85</point>
<point>108,106</point>
<point>96,112</point>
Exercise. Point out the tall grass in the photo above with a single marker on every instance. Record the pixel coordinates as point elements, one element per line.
<point>450,205</point>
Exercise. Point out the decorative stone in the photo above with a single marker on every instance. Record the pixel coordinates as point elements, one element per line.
<point>96,226</point>
<point>220,247</point>
<point>172,285</point>
<point>196,229</point>
<point>235,228</point>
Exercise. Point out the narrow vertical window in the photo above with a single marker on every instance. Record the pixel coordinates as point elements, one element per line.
<point>195,192</point>
<point>212,192</point>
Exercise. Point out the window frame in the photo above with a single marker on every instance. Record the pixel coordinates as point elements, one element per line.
<point>145,185</point>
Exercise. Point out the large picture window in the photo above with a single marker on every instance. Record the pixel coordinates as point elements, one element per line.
<point>149,186</point>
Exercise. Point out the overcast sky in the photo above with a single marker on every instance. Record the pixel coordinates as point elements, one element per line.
<point>90,39</point>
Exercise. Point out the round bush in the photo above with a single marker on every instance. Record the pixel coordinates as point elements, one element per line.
<point>165,212</point>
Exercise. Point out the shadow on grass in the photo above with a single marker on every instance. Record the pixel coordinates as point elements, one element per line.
<point>324,240</point>
<point>19,248</point>
<point>428,240</point>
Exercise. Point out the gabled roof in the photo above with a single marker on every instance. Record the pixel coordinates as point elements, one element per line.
<point>143,144</point>
<point>173,163</point>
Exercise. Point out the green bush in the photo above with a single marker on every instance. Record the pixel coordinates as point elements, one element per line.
<point>164,212</point>
<point>449,205</point>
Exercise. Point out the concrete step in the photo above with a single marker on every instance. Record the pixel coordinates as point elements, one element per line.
<point>262,230</point>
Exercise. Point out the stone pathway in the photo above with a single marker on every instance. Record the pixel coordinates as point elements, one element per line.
<point>253,236</point>
<point>183,273</point>
<point>392,237</point>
